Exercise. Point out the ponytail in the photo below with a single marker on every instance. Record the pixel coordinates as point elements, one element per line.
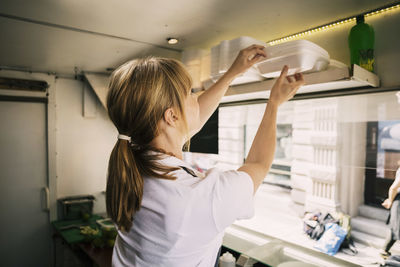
<point>124,186</point>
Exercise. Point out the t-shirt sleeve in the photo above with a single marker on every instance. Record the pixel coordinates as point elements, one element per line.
<point>232,197</point>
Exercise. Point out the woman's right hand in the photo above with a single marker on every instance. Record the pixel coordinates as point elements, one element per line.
<point>285,87</point>
<point>246,58</point>
<point>387,203</point>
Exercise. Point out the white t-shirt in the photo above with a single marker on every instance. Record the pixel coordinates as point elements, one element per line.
<point>181,222</point>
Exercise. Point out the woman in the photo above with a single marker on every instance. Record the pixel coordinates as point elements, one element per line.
<point>166,213</point>
<point>393,203</point>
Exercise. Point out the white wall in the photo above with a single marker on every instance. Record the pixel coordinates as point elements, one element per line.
<point>79,147</point>
<point>83,144</point>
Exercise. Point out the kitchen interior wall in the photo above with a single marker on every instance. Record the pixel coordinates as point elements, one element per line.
<point>84,143</point>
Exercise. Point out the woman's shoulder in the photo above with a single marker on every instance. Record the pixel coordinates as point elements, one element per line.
<point>188,176</point>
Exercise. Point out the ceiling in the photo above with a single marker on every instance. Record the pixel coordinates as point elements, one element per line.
<point>67,36</point>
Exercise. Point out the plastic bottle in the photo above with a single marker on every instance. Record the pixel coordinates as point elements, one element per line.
<point>361,44</point>
<point>227,260</point>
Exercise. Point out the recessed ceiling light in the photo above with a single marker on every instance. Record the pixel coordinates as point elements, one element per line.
<point>172,40</point>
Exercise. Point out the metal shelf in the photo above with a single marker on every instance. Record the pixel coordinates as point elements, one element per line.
<point>332,79</point>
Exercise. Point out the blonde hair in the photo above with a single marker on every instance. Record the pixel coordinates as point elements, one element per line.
<point>140,91</point>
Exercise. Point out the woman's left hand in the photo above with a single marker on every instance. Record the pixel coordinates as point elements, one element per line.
<point>247,57</point>
<point>387,203</point>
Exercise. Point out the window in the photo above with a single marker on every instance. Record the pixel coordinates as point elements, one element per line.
<point>333,152</point>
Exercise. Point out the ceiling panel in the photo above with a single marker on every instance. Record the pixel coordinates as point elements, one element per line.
<point>198,24</point>
<point>41,48</point>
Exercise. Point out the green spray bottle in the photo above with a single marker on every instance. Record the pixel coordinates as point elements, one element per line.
<point>361,44</point>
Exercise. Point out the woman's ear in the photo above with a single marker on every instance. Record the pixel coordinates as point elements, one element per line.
<point>170,116</point>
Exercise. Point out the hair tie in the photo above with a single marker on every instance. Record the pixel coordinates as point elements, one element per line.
<point>124,137</point>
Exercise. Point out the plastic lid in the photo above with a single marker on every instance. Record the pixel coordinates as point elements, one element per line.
<point>296,45</point>
<point>228,257</point>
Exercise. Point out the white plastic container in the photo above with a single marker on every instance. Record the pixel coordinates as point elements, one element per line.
<point>224,54</point>
<point>106,224</point>
<point>299,55</point>
<point>251,75</point>
<point>230,49</point>
<point>196,64</point>
<point>214,61</point>
<point>227,260</point>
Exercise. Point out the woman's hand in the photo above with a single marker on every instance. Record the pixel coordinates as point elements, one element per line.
<point>209,100</point>
<point>387,203</point>
<point>285,87</point>
<point>247,57</point>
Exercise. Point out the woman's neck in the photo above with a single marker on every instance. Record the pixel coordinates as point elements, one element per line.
<point>169,143</point>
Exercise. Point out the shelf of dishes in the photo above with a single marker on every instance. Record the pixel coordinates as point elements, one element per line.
<point>321,73</point>
<point>336,77</point>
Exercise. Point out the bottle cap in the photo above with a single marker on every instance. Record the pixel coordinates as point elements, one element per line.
<point>227,257</point>
<point>360,19</point>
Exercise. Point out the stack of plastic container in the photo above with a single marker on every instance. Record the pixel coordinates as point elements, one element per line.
<point>223,55</point>
<point>299,55</point>
<point>196,61</point>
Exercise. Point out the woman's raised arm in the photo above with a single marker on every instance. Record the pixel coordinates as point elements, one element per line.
<point>209,100</point>
<point>262,150</point>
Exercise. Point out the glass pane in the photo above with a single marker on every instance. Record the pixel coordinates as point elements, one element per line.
<point>323,146</point>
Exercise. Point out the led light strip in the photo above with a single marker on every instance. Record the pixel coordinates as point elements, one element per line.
<point>333,24</point>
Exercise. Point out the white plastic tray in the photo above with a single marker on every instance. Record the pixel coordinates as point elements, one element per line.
<point>223,55</point>
<point>251,75</point>
<point>299,55</point>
